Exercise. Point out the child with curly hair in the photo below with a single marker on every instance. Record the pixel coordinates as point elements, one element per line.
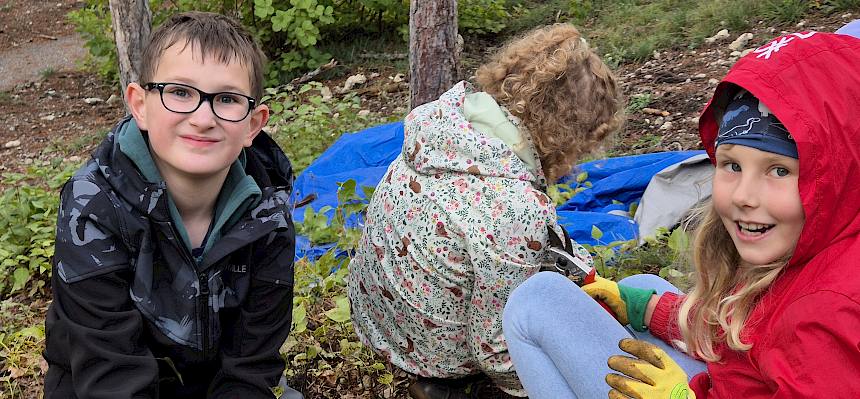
<point>775,309</point>
<point>462,216</point>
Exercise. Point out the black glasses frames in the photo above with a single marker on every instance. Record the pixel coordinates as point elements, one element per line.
<point>184,99</point>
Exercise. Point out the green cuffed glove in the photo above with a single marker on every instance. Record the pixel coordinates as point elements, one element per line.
<point>627,303</point>
<point>651,374</point>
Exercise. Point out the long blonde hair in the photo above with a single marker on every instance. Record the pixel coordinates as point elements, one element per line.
<point>725,291</point>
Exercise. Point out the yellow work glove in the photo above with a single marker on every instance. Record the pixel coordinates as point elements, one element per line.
<point>627,303</point>
<point>607,291</point>
<point>651,375</point>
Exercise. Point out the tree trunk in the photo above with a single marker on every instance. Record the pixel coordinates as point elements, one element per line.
<point>432,49</point>
<point>131,22</point>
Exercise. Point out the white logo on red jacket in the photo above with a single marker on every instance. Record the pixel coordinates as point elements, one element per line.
<point>773,47</point>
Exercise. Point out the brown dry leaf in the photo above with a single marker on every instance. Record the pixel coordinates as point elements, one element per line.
<point>330,377</point>
<point>43,365</point>
<point>653,111</point>
<point>15,372</point>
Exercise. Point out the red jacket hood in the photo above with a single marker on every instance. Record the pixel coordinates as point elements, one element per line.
<point>811,82</point>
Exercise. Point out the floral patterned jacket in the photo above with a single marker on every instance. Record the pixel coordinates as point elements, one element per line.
<point>458,221</point>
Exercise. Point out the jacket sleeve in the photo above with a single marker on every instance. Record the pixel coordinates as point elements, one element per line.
<point>502,260</point>
<point>814,348</point>
<point>250,359</point>
<point>93,329</point>
<point>664,325</point>
<point>664,320</point>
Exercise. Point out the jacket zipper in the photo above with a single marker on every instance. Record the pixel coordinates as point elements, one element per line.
<point>201,275</point>
<point>204,293</point>
<point>203,298</point>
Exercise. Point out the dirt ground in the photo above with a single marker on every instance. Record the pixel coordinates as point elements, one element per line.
<point>64,113</point>
<point>25,22</point>
<point>36,38</point>
<point>43,112</point>
<point>50,118</point>
<point>681,81</point>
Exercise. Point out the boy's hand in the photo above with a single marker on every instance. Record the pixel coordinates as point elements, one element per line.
<point>652,374</point>
<point>627,303</point>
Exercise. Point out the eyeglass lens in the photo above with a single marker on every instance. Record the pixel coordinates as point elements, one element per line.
<point>181,98</point>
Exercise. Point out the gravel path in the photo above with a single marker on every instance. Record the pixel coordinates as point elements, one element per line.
<point>26,63</point>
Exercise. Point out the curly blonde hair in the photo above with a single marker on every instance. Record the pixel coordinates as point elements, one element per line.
<point>567,98</point>
<point>725,292</point>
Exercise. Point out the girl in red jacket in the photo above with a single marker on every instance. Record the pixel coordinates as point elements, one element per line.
<point>775,310</point>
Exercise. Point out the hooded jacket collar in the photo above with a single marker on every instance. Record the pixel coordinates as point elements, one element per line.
<point>488,117</point>
<point>811,82</point>
<point>454,144</point>
<point>239,192</point>
<point>265,165</point>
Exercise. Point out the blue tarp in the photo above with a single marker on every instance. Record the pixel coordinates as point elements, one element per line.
<point>616,183</point>
<point>364,157</point>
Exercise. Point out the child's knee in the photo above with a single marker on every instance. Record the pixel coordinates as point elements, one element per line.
<point>540,287</point>
<point>540,293</point>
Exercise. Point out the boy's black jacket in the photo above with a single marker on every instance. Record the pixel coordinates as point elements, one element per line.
<point>134,315</point>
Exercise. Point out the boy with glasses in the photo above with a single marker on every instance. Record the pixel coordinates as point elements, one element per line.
<point>173,267</point>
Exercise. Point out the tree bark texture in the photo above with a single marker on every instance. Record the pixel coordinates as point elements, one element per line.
<point>432,49</point>
<point>131,21</point>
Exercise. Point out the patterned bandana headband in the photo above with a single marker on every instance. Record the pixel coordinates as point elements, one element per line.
<point>749,122</point>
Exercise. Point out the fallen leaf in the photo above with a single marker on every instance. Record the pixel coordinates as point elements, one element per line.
<point>15,372</point>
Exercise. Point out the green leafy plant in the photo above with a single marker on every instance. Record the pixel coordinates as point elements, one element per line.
<point>306,120</point>
<point>606,254</point>
<point>638,101</point>
<point>28,212</point>
<point>93,22</point>
<point>320,230</point>
<point>372,17</point>
<point>293,33</point>
<point>620,258</point>
<point>296,23</point>
<point>323,344</point>
<point>563,192</point>
<point>482,16</point>
<point>580,10</point>
<point>315,226</point>
<point>665,254</point>
<point>22,337</point>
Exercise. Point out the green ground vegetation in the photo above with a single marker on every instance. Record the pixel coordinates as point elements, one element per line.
<point>306,119</point>
<point>22,337</point>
